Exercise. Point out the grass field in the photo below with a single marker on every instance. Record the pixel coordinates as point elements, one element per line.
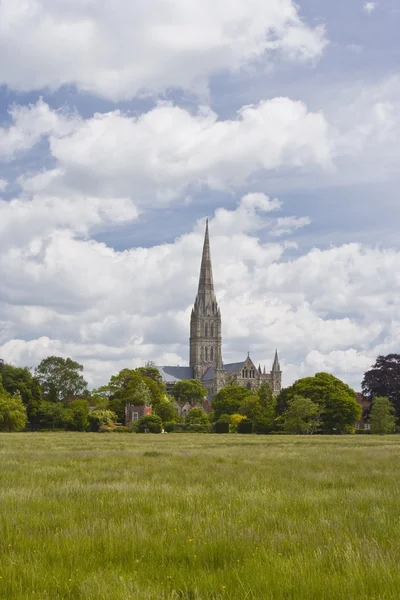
<point>90,516</point>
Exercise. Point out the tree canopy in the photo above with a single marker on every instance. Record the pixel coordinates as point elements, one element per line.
<point>19,380</point>
<point>230,399</point>
<point>13,415</point>
<point>301,416</point>
<point>383,379</point>
<point>60,379</point>
<point>189,390</point>
<point>335,399</point>
<point>381,417</point>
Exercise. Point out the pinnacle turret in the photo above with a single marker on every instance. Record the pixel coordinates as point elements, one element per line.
<point>276,366</point>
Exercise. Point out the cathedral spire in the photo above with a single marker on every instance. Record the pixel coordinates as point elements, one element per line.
<point>276,366</point>
<point>206,283</point>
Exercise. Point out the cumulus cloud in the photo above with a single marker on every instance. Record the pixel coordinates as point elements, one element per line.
<point>120,49</point>
<point>326,310</point>
<point>154,157</point>
<point>29,124</point>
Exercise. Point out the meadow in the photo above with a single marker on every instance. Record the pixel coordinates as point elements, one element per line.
<point>108,516</point>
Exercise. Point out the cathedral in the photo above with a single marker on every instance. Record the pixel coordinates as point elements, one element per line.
<point>205,352</point>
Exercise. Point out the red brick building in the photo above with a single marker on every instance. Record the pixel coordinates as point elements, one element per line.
<point>365,404</point>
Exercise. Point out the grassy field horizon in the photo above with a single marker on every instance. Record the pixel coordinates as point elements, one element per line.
<point>91,516</point>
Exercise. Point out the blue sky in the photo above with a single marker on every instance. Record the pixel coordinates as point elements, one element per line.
<point>123,127</point>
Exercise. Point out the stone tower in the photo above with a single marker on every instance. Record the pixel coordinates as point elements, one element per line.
<point>276,375</point>
<point>205,320</point>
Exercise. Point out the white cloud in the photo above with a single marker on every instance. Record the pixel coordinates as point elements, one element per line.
<point>326,310</point>
<point>369,7</point>
<point>287,225</point>
<point>119,49</point>
<point>3,184</point>
<point>153,158</point>
<point>29,125</point>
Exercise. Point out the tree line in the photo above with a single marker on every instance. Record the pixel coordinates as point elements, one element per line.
<point>55,395</point>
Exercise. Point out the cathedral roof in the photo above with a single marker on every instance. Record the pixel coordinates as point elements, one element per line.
<point>209,375</point>
<point>234,367</point>
<point>174,374</point>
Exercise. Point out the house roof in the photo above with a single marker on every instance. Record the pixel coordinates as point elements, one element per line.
<point>174,374</point>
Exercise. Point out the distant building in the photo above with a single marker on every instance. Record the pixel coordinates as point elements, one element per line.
<point>134,413</point>
<point>205,351</point>
<point>365,404</point>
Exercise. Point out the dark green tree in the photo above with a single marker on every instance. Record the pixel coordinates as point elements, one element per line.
<point>19,380</point>
<point>80,414</point>
<point>229,400</point>
<point>337,401</point>
<point>381,417</point>
<point>60,379</point>
<point>383,379</point>
<point>149,423</point>
<point>190,391</point>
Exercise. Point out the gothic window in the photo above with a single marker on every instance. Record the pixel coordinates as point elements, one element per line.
<point>206,353</point>
<point>212,329</point>
<point>247,374</point>
<point>202,353</point>
<point>206,330</point>
<point>212,354</point>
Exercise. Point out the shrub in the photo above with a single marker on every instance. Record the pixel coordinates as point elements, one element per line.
<point>99,417</point>
<point>169,426</point>
<point>198,428</point>
<point>196,416</point>
<point>120,429</point>
<point>245,427</point>
<point>222,427</point>
<point>150,423</point>
<point>105,429</point>
<point>12,412</point>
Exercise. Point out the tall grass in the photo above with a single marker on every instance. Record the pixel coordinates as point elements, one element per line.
<point>104,517</point>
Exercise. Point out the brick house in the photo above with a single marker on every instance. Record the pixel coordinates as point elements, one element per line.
<point>134,413</point>
<point>365,404</point>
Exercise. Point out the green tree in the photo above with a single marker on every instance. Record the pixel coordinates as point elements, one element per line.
<point>190,391</point>
<point>382,416</point>
<point>55,415</point>
<point>301,416</point>
<point>19,380</point>
<point>152,373</point>
<point>151,423</point>
<point>265,420</point>
<point>337,401</point>
<point>383,380</point>
<point>13,415</point>
<point>101,397</point>
<point>80,414</point>
<point>122,390</point>
<point>166,411</point>
<point>60,379</point>
<point>99,417</point>
<point>196,416</point>
<point>229,400</point>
